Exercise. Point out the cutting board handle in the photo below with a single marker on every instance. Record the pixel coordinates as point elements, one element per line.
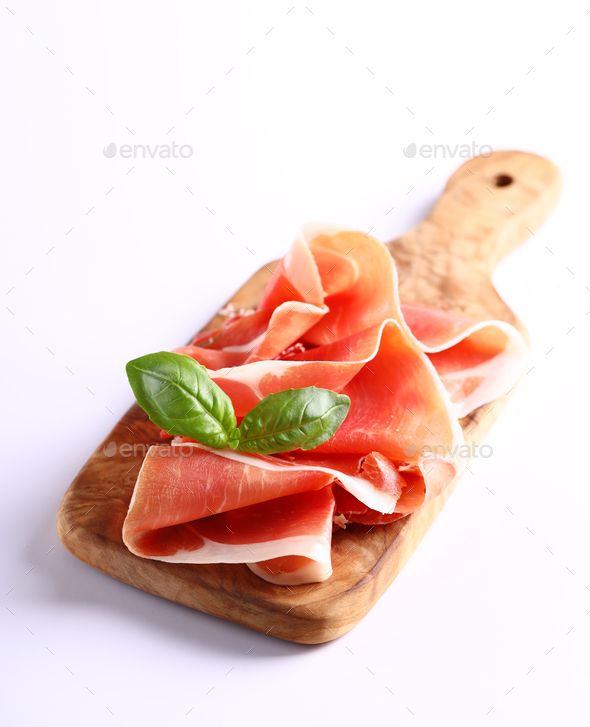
<point>490,205</point>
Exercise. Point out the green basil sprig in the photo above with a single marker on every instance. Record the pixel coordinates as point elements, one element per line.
<point>178,395</point>
<point>292,419</point>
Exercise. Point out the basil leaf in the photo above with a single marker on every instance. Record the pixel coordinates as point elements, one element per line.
<point>177,394</point>
<point>292,419</point>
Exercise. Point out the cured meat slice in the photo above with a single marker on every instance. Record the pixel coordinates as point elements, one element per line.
<point>477,361</point>
<point>179,514</point>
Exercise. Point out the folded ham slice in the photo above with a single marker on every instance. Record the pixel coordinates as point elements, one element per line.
<point>195,520</point>
<point>329,317</point>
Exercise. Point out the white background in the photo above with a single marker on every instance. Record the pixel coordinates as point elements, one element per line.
<point>294,113</point>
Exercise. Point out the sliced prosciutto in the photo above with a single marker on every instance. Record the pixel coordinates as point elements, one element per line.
<point>192,504</point>
<point>177,514</point>
<point>330,317</point>
<point>477,361</point>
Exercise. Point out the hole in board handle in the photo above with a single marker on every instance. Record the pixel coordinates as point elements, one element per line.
<point>503,180</point>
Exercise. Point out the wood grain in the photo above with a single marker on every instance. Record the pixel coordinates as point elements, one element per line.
<point>489,206</point>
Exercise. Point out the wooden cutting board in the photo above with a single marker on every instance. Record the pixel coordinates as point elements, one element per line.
<point>490,205</point>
